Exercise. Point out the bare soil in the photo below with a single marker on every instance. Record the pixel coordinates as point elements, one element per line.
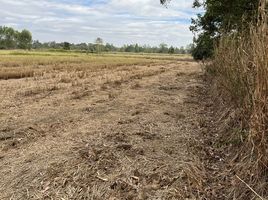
<point>117,133</point>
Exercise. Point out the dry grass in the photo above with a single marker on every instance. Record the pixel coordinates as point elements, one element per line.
<point>16,74</point>
<point>241,71</point>
<point>20,64</point>
<point>97,127</point>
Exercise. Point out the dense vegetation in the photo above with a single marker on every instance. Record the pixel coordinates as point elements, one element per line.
<point>13,39</point>
<point>221,17</point>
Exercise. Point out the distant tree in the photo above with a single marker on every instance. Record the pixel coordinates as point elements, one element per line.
<point>37,45</point>
<point>137,48</point>
<point>25,39</point>
<point>147,49</point>
<point>182,50</point>
<point>171,50</point>
<point>110,47</point>
<point>189,48</point>
<point>130,48</point>
<point>11,39</point>
<point>8,38</point>
<point>163,48</point>
<point>99,43</point>
<point>66,46</point>
<point>82,46</point>
<point>2,38</point>
<point>11,36</point>
<point>91,48</point>
<point>53,45</point>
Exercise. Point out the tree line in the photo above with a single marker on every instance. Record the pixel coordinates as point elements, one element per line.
<point>13,39</point>
<point>107,47</point>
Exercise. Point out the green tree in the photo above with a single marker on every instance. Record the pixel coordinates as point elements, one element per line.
<point>36,44</point>
<point>171,50</point>
<point>163,48</point>
<point>66,46</point>
<point>130,48</point>
<point>82,46</point>
<point>204,45</point>
<point>91,48</point>
<point>189,48</point>
<point>182,50</point>
<point>220,17</point>
<point>2,38</point>
<point>110,47</point>
<point>8,38</point>
<point>25,39</point>
<point>137,48</point>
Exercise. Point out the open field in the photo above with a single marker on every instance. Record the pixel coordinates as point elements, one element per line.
<point>76,126</point>
<point>19,64</point>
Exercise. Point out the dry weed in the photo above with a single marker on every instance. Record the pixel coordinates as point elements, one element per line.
<point>241,71</point>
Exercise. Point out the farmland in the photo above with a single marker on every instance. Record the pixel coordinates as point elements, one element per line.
<point>88,126</point>
<point>134,100</point>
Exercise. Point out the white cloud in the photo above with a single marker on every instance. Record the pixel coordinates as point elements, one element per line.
<point>116,21</point>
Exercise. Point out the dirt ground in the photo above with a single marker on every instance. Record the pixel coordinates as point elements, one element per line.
<point>118,133</point>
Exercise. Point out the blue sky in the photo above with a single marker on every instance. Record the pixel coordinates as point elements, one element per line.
<point>116,21</point>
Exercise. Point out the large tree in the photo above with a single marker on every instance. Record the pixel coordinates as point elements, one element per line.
<point>220,17</point>
<point>8,38</point>
<point>25,39</point>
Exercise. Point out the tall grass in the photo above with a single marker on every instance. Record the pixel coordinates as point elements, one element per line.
<point>241,70</point>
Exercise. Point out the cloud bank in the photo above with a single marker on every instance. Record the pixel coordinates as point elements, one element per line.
<point>116,21</point>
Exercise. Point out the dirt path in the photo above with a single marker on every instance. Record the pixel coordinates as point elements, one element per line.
<point>120,133</point>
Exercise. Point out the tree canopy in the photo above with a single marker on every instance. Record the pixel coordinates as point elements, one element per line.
<point>220,17</point>
<point>11,39</point>
<point>24,39</point>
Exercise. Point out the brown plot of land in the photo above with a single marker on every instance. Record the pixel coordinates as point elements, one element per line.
<point>77,128</point>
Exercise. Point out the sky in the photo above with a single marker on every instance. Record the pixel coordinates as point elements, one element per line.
<point>115,21</point>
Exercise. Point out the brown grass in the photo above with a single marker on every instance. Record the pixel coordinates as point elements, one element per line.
<point>96,128</point>
<point>16,74</point>
<point>16,65</point>
<point>241,70</point>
